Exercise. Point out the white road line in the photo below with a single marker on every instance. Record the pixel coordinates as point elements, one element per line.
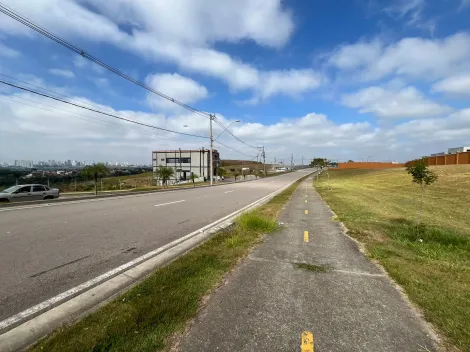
<point>229,191</point>
<point>178,201</point>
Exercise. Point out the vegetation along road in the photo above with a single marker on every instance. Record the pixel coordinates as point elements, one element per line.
<point>432,263</point>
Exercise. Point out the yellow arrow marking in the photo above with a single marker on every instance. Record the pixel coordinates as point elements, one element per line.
<point>306,212</point>
<point>307,342</point>
<point>305,236</point>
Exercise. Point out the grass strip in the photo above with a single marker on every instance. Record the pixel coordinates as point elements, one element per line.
<point>431,262</point>
<point>143,318</point>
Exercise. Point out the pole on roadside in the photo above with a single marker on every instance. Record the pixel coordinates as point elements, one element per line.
<point>75,179</point>
<point>264,161</point>
<point>211,171</point>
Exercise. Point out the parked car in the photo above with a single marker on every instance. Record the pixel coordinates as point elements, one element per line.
<point>21,193</point>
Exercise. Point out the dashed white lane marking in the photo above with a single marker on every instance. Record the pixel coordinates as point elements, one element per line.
<point>229,191</point>
<point>178,201</point>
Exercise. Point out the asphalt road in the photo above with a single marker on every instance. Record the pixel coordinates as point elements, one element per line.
<point>47,249</point>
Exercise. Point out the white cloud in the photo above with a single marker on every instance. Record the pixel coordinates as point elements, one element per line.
<point>178,87</point>
<point>403,8</point>
<point>100,82</point>
<point>355,56</point>
<point>62,73</point>
<point>406,102</point>
<point>265,22</point>
<point>82,63</point>
<point>288,82</point>
<point>7,52</point>
<point>452,130</point>
<point>414,58</point>
<point>458,85</point>
<point>181,32</point>
<point>58,134</point>
<point>464,3</point>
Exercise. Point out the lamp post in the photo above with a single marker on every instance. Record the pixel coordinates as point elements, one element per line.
<point>226,128</point>
<point>213,140</point>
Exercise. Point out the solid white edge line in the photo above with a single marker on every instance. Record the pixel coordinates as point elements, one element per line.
<point>30,313</point>
<point>178,201</point>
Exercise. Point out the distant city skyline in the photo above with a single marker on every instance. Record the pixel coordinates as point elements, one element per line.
<point>28,163</point>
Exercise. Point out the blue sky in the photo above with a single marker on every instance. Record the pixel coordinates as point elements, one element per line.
<point>355,79</point>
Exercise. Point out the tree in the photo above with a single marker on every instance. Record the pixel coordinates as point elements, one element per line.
<point>193,177</point>
<point>244,172</point>
<point>317,162</point>
<point>422,176</point>
<point>350,161</point>
<point>164,173</point>
<point>95,172</point>
<point>236,173</point>
<point>221,172</point>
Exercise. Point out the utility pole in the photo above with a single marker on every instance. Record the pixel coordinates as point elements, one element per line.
<point>257,164</point>
<point>264,161</point>
<point>211,172</point>
<point>302,161</point>
<point>292,162</point>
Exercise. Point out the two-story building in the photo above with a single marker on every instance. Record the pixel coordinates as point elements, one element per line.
<point>186,162</point>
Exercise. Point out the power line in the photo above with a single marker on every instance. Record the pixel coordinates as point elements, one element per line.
<point>230,132</point>
<point>101,112</point>
<point>59,94</point>
<point>16,16</point>
<point>72,100</point>
<point>86,118</point>
<point>226,146</point>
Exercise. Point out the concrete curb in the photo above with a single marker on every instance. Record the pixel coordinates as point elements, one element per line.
<point>27,327</point>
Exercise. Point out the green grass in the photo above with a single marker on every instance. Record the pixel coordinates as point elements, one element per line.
<point>145,317</point>
<point>432,261</point>
<point>311,267</point>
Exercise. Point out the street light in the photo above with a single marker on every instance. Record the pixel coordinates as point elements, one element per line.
<point>212,140</point>
<point>226,128</point>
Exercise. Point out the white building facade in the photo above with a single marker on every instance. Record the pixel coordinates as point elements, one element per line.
<point>458,150</point>
<point>185,163</point>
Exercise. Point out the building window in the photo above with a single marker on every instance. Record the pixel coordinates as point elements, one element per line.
<point>162,159</point>
<point>178,160</point>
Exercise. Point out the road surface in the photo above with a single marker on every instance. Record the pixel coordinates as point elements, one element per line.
<point>48,249</point>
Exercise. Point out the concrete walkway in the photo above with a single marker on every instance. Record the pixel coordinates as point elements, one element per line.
<point>268,302</point>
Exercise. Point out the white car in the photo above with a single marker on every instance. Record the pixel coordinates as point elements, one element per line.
<point>21,193</point>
